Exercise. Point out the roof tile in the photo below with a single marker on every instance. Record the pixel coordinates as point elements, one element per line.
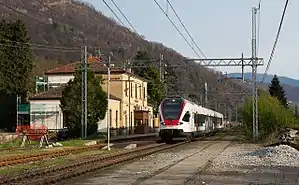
<point>56,93</point>
<point>93,65</point>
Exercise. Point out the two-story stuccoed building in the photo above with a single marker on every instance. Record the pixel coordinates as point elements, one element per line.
<point>128,104</point>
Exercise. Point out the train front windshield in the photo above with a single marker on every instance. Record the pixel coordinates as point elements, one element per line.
<point>171,108</point>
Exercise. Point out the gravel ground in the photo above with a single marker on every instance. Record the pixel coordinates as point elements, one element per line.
<point>132,173</point>
<point>251,164</point>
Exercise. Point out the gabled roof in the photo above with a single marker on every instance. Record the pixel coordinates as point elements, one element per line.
<point>56,93</point>
<point>94,66</point>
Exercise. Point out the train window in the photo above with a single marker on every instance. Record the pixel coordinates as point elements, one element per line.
<point>187,117</point>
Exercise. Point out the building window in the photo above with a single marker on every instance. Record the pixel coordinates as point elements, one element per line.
<point>116,119</point>
<point>131,119</point>
<point>131,90</point>
<point>110,119</point>
<point>126,89</point>
<point>144,93</point>
<point>136,90</point>
<point>126,120</point>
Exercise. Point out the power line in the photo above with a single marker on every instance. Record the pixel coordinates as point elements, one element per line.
<point>177,28</point>
<point>258,27</point>
<point>40,45</point>
<point>276,40</point>
<point>123,15</point>
<point>39,48</point>
<point>114,13</point>
<point>10,8</point>
<point>178,17</point>
<point>15,10</point>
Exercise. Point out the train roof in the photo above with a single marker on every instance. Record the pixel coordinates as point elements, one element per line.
<point>207,111</point>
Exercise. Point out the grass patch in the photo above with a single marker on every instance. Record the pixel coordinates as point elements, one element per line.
<point>74,142</point>
<point>17,143</point>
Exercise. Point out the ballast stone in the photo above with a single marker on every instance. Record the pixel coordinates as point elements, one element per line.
<point>278,156</point>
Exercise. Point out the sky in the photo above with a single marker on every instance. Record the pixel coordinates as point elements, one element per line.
<point>221,28</point>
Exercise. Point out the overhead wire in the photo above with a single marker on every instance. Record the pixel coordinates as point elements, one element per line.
<point>258,27</point>
<point>108,6</point>
<point>276,40</point>
<point>23,14</point>
<point>180,20</point>
<point>133,28</point>
<point>40,48</point>
<point>19,12</point>
<point>40,45</point>
<point>163,11</point>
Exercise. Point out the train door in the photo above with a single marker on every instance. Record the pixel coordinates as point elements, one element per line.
<point>196,122</point>
<point>188,119</point>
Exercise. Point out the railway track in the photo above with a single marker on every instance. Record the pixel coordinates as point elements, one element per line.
<point>82,166</point>
<point>19,159</point>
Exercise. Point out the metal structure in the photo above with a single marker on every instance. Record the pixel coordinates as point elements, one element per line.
<point>254,80</point>
<point>225,62</point>
<point>47,115</point>
<point>233,62</point>
<point>84,93</point>
<point>108,97</point>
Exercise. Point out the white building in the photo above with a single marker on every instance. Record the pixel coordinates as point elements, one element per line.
<point>45,109</point>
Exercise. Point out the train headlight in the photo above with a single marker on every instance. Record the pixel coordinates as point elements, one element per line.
<point>162,123</point>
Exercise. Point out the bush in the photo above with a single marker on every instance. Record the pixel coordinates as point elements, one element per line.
<point>272,116</point>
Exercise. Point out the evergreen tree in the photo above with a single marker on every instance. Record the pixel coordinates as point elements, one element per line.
<point>16,59</point>
<point>276,90</point>
<point>155,88</point>
<point>16,62</point>
<point>71,103</point>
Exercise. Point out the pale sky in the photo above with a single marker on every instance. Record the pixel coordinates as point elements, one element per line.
<point>221,28</point>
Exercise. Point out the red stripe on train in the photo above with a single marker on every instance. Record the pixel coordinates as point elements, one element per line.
<point>175,122</point>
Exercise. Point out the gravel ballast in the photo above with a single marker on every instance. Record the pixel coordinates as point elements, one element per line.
<point>251,164</point>
<point>250,156</point>
<point>140,168</point>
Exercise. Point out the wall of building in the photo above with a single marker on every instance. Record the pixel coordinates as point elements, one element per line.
<point>56,79</point>
<point>114,108</point>
<point>46,112</point>
<point>130,89</point>
<point>151,116</point>
<point>116,88</point>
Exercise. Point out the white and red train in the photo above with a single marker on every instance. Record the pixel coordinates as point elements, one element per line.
<point>180,117</point>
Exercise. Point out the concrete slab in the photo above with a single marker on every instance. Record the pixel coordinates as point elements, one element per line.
<point>132,172</point>
<point>177,174</point>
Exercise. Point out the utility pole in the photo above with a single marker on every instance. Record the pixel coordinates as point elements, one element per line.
<point>242,68</point>
<point>254,82</point>
<point>84,94</point>
<point>108,97</point>
<point>85,91</point>
<point>206,94</point>
<point>18,101</point>
<point>236,112</point>
<point>160,67</point>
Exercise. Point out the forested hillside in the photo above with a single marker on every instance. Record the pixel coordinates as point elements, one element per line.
<point>73,23</point>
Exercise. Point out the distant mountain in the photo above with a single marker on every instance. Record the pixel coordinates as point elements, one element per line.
<point>283,80</point>
<point>291,86</point>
